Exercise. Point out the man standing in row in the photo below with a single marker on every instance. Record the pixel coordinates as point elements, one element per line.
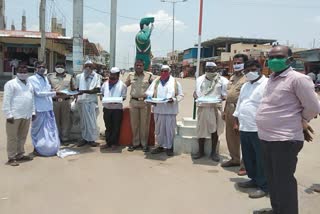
<point>44,131</point>
<point>289,103</point>
<point>59,81</point>
<point>210,123</point>
<point>245,120</point>
<point>18,108</point>
<point>233,140</point>
<point>88,83</point>
<point>139,110</point>
<point>168,88</point>
<point>112,112</point>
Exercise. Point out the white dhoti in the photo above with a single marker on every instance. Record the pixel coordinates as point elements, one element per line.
<point>88,120</point>
<point>165,125</point>
<point>209,121</point>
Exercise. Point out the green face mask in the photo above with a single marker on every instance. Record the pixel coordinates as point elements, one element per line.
<point>277,65</point>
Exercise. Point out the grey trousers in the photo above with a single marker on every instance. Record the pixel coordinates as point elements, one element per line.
<point>16,137</point>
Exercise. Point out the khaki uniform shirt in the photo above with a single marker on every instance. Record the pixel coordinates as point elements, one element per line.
<point>139,85</point>
<point>234,87</point>
<point>59,82</point>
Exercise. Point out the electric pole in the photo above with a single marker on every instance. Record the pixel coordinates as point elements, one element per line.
<point>77,48</point>
<point>113,33</point>
<point>42,53</point>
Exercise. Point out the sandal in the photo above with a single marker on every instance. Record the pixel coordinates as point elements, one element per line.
<point>12,162</point>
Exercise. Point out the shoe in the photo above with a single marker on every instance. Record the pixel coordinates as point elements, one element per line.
<point>105,146</point>
<point>132,148</point>
<point>229,163</point>
<point>215,157</point>
<point>169,152</point>
<point>82,143</point>
<point>316,189</point>
<point>114,147</point>
<point>25,158</point>
<point>145,149</point>
<point>93,144</point>
<point>263,211</point>
<point>157,150</point>
<point>36,153</point>
<point>197,156</point>
<point>258,194</point>
<point>247,184</point>
<point>12,162</point>
<point>242,172</point>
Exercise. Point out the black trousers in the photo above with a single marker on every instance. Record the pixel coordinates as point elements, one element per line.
<point>280,161</point>
<point>112,120</point>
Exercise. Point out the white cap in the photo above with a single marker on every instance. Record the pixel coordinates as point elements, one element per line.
<point>114,70</point>
<point>211,64</point>
<point>88,62</point>
<point>165,67</point>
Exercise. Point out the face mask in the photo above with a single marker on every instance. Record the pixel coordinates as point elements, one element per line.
<point>22,76</point>
<point>211,75</point>
<point>238,67</point>
<point>277,65</point>
<point>252,75</point>
<point>42,71</point>
<point>59,70</point>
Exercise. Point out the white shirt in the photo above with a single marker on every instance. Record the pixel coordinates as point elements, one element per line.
<point>42,93</point>
<point>248,103</point>
<point>166,91</point>
<point>118,90</point>
<point>18,100</point>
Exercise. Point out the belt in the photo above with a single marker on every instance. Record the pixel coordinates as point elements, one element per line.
<point>60,99</point>
<point>138,99</point>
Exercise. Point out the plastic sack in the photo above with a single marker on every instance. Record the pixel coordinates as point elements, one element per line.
<point>66,152</point>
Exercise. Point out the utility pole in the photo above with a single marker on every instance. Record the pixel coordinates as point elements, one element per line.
<point>173,2</point>
<point>113,33</point>
<point>42,53</point>
<point>2,15</point>
<point>77,48</point>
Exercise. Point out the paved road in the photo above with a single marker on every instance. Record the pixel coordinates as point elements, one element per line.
<point>123,182</point>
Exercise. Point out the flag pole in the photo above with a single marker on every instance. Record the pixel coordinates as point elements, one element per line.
<point>199,52</point>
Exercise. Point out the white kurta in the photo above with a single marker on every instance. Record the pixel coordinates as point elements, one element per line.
<point>88,106</point>
<point>165,114</point>
<point>210,115</point>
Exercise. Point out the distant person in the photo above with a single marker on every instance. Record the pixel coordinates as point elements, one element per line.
<point>18,108</point>
<point>312,75</point>
<point>60,80</point>
<point>245,121</point>
<point>282,117</point>
<point>210,123</point>
<point>140,111</point>
<point>88,83</point>
<point>233,139</point>
<point>112,112</point>
<point>44,131</point>
<point>166,87</point>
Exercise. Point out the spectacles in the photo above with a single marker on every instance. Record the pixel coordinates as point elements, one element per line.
<point>164,71</point>
<point>237,63</point>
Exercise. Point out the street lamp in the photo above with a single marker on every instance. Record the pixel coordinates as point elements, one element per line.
<point>173,7</point>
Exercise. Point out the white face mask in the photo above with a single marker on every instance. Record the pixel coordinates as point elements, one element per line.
<point>238,67</point>
<point>22,76</point>
<point>253,75</point>
<point>59,70</point>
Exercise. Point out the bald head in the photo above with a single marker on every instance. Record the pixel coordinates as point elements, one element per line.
<point>280,50</point>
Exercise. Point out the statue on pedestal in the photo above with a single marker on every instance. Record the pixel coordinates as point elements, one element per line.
<point>143,42</point>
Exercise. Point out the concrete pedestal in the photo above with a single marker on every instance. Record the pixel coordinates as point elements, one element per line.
<point>186,141</point>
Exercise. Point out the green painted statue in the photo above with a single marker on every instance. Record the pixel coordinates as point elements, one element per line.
<point>143,42</point>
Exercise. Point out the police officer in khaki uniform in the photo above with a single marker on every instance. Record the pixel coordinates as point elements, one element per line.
<point>139,111</point>
<point>59,81</point>
<point>233,139</point>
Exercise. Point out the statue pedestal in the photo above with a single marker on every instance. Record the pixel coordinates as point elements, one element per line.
<point>186,141</point>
